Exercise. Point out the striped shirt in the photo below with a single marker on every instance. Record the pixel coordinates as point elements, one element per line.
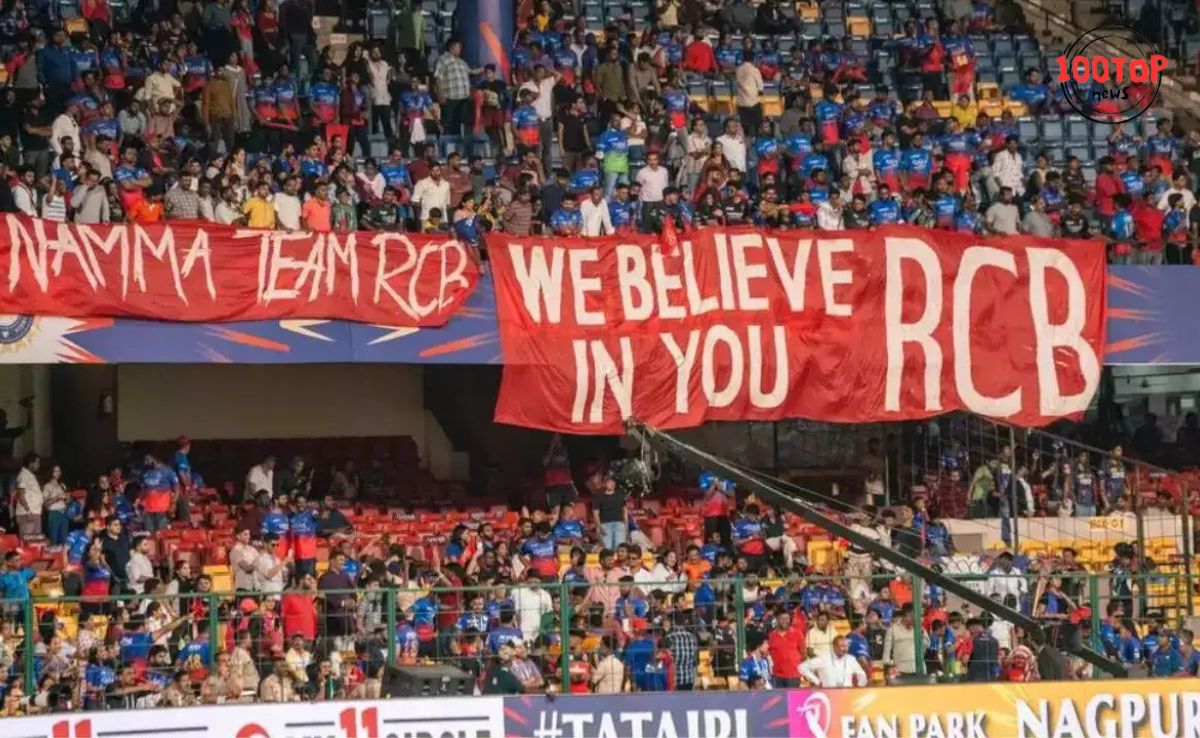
<point>54,208</point>
<point>453,77</point>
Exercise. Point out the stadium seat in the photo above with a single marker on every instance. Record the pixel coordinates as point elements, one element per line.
<point>1052,131</point>
<point>1077,129</point>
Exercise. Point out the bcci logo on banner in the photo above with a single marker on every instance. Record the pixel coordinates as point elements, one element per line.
<point>1111,74</point>
<point>14,329</point>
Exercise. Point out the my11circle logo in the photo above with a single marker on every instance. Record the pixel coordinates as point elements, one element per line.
<point>1110,74</point>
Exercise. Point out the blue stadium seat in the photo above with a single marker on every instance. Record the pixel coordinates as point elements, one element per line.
<point>835,27</point>
<point>1027,129</point>
<point>1101,132</point>
<point>1024,43</point>
<point>1052,131</point>
<point>882,27</point>
<point>1077,130</point>
<point>925,9</point>
<point>378,19</point>
<point>1082,151</point>
<point>786,44</point>
<point>1089,173</point>
<point>901,13</point>
<point>860,46</point>
<point>1009,78</point>
<point>810,29</point>
<point>1057,155</point>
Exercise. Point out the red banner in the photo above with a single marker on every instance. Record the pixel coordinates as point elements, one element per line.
<point>892,324</point>
<point>199,272</point>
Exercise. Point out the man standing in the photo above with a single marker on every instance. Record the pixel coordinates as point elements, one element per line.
<point>748,89</point>
<point>984,663</point>
<point>595,214</point>
<point>27,498</point>
<point>453,78</point>
<point>287,205</point>
<point>89,200</point>
<point>432,192</point>
<point>243,562</point>
<point>684,648</point>
<point>900,644</point>
<point>787,646</point>
<point>835,669</point>
<point>159,489</point>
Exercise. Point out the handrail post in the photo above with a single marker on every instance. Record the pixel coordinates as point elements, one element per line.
<point>391,626</point>
<point>564,634</point>
<point>918,608</point>
<point>1185,534</point>
<point>27,639</point>
<point>214,640</point>
<point>739,611</point>
<point>1093,586</point>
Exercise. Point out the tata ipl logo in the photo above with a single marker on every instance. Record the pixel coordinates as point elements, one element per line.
<point>1111,74</point>
<point>810,714</point>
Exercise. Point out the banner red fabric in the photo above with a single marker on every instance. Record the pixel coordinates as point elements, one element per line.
<point>860,326</point>
<point>200,272</point>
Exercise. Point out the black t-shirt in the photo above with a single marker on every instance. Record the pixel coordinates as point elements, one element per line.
<point>572,134</point>
<point>39,119</point>
<point>610,508</point>
<point>499,680</point>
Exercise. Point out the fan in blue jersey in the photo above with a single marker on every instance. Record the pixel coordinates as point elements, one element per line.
<point>1032,92</point>
<point>567,220</point>
<point>884,210</point>
<point>324,97</point>
<point>728,55</point>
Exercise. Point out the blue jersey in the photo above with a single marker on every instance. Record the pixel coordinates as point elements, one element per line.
<point>1122,145</point>
<point>158,478</point>
<point>126,173</point>
<point>540,548</point>
<point>277,523</point>
<point>77,544</point>
<point>818,193</point>
<point>959,143</point>
<point>766,147</point>
<point>584,180</point>
<point>86,60</point>
<point>916,162</point>
<point>728,57</point>
<point>748,536</point>
<point>756,669</point>
<point>854,121</point>
<point>883,212</point>
<point>526,124</point>
<point>415,103</point>
<point>504,635</point>
<point>886,163</point>
<point>312,168</point>
<point>568,529</point>
<point>1160,145</point>
<point>710,551</point>
<point>883,111</point>
<point>967,221</point>
<point>1032,95</point>
<point>324,98</point>
<point>1129,650</point>
<point>135,646</point>
<point>107,127</point>
<point>395,174</point>
<point>1175,225</point>
<point>476,621</point>
<point>424,611</point>
<point>99,676</point>
<point>812,163</point>
<point>1121,226</point>
<point>1054,199</point>
<point>303,524</point>
<point>622,214</point>
<point>798,144</point>
<point>1133,182</point>
<point>467,230</point>
<point>859,648</point>
<point>615,147</point>
<point>1085,487</point>
<point>945,206</point>
<point>566,222</point>
<point>198,651</point>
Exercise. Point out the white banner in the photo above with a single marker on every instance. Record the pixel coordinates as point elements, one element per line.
<point>442,717</point>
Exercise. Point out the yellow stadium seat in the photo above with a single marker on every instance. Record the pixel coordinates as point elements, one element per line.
<point>723,105</point>
<point>858,26</point>
<point>70,626</point>
<point>1016,107</point>
<point>701,101</point>
<point>773,105</point>
<point>943,108</point>
<point>987,91</point>
<point>841,626</point>
<point>809,12</point>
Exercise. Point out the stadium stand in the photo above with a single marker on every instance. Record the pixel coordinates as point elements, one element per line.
<point>277,582</point>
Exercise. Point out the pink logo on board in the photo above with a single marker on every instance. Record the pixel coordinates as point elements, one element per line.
<point>810,714</point>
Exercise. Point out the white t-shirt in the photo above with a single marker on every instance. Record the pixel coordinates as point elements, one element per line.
<point>241,555</point>
<point>264,583</point>
<point>260,479</point>
<point>27,482</point>
<point>544,102</point>
<point>735,151</point>
<point>653,182</point>
<point>287,210</point>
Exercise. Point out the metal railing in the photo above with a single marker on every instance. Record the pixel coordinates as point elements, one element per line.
<point>565,630</point>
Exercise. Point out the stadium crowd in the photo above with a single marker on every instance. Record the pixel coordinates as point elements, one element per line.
<point>300,602</point>
<point>228,113</point>
<point>680,111</point>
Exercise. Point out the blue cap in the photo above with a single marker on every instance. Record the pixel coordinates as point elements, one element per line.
<point>707,479</point>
